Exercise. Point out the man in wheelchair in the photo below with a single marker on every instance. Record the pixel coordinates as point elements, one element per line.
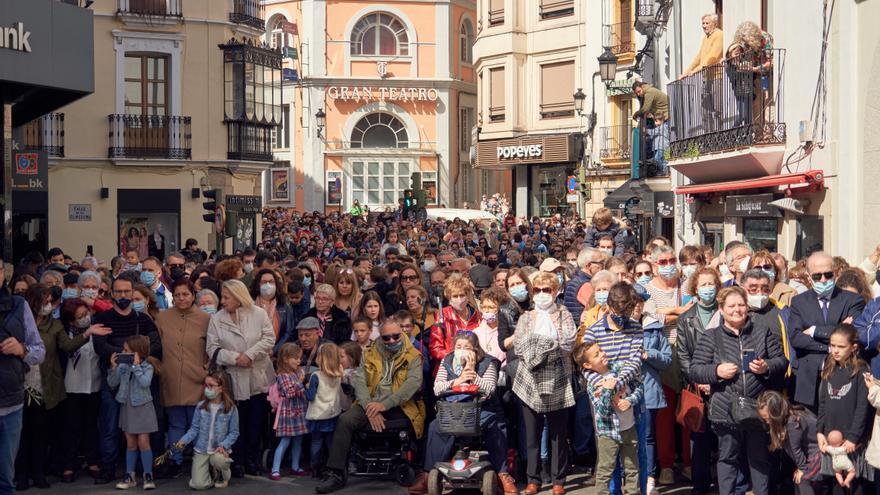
<point>385,386</point>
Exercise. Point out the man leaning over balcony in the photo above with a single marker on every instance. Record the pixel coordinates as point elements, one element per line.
<point>655,108</point>
<point>706,65</point>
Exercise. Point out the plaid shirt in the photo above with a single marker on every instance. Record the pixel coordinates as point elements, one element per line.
<point>607,419</point>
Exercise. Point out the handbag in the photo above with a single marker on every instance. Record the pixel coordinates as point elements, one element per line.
<point>744,410</point>
<point>691,410</point>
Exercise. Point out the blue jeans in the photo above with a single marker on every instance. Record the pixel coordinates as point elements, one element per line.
<point>108,428</point>
<point>10,433</point>
<point>659,142</point>
<point>648,443</point>
<point>583,442</point>
<point>320,440</point>
<point>179,420</point>
<point>702,446</point>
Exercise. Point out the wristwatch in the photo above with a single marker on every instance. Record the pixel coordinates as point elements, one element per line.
<point>26,351</point>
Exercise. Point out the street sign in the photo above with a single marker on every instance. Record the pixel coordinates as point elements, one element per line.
<point>572,184</point>
<point>289,75</point>
<point>571,198</point>
<point>289,52</point>
<point>289,27</point>
<point>79,213</point>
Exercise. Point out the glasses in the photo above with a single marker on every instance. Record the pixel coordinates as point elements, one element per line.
<point>817,277</point>
<point>102,292</point>
<point>177,265</point>
<point>410,278</point>
<point>642,274</point>
<point>766,266</point>
<point>670,261</point>
<point>391,337</point>
<point>545,290</point>
<point>444,264</point>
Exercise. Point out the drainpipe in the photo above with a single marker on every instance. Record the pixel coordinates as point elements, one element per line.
<point>680,204</point>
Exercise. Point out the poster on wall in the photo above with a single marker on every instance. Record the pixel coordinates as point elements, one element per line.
<point>150,234</point>
<point>280,185</point>
<point>244,233</point>
<point>334,188</point>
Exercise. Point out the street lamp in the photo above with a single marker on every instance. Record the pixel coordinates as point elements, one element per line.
<point>321,121</point>
<point>607,65</point>
<point>579,98</point>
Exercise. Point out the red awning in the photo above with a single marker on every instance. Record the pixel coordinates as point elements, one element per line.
<point>811,178</point>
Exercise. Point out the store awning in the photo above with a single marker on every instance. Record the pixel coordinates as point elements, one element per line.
<point>814,178</point>
<point>616,198</point>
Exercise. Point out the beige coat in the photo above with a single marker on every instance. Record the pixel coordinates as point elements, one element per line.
<point>872,454</point>
<point>254,336</point>
<point>184,361</point>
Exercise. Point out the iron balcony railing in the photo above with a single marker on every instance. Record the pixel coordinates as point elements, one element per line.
<point>150,136</point>
<point>616,142</point>
<point>620,37</point>
<point>172,8</point>
<point>249,141</point>
<point>734,104</point>
<point>46,133</point>
<point>248,13</point>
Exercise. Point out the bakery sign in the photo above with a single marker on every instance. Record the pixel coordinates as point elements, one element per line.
<point>366,93</point>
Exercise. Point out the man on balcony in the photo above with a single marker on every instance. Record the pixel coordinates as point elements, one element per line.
<point>711,49</point>
<point>707,71</point>
<point>655,109</point>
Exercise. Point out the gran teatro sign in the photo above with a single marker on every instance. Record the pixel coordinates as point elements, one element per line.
<point>366,93</point>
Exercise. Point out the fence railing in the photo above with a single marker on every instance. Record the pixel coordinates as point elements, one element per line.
<point>249,141</point>
<point>734,104</point>
<point>150,136</point>
<point>46,133</point>
<point>248,12</point>
<point>620,37</point>
<point>172,8</point>
<point>616,142</point>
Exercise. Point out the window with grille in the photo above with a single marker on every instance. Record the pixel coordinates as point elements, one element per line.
<point>281,134</point>
<point>379,34</point>
<point>380,182</point>
<point>465,124</point>
<point>466,39</point>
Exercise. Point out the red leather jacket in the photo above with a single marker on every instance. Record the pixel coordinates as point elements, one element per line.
<point>442,334</point>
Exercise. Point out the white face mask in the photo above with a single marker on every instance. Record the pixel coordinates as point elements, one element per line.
<point>46,309</point>
<point>458,303</point>
<point>744,264</point>
<point>543,300</point>
<point>757,301</point>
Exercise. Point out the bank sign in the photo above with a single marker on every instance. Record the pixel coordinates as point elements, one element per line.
<point>16,38</point>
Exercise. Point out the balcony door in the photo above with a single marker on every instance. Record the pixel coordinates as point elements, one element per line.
<point>146,102</point>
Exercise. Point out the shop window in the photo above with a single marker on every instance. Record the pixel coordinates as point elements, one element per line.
<point>429,185</point>
<point>146,84</point>
<point>334,188</point>
<point>760,233</point>
<point>466,40</point>
<point>380,182</point>
<point>496,12</point>
<point>551,9</point>
<point>379,130</point>
<point>557,88</point>
<point>496,94</point>
<point>379,34</point>
<point>465,124</point>
<point>141,212</point>
<point>810,236</point>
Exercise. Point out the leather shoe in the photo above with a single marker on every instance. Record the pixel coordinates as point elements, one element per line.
<point>532,489</point>
<point>420,485</point>
<point>558,490</point>
<point>507,484</point>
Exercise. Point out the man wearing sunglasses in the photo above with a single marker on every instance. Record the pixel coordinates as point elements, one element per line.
<point>814,315</point>
<point>385,385</point>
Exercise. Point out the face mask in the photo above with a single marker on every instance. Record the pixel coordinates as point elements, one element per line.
<point>248,267</point>
<point>177,273</point>
<point>148,278</point>
<point>210,394</point>
<point>561,278</point>
<point>267,290</point>
<point>688,270</point>
<point>492,263</point>
<point>458,303</point>
<point>757,301</point>
<point>771,274</point>
<point>707,294</point>
<point>824,289</point>
<point>490,318</point>
<point>84,322</point>
<point>643,280</point>
<point>668,271</point>
<point>724,270</point>
<point>543,301</point>
<point>46,310</point>
<point>395,346</point>
<point>90,293</point>
<point>429,265</point>
<point>601,297</point>
<point>458,357</point>
<point>69,294</point>
<point>209,308</point>
<point>744,264</point>
<point>479,259</point>
<point>307,281</point>
<point>519,293</point>
<point>122,303</point>
<point>326,253</point>
<point>138,306</point>
<point>618,320</point>
<point>606,251</point>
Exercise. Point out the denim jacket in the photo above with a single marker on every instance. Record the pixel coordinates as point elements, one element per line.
<point>659,358</point>
<point>133,381</point>
<point>225,429</point>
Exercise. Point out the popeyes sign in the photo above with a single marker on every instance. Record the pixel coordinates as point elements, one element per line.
<point>366,93</point>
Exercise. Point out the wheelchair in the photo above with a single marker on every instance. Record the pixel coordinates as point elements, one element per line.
<point>387,454</point>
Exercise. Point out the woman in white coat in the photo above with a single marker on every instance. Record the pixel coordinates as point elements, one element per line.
<point>241,337</point>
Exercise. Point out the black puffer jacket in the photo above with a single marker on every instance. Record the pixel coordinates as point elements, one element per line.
<point>710,353</point>
<point>689,331</point>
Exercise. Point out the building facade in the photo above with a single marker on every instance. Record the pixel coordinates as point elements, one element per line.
<point>185,99</point>
<point>374,93</point>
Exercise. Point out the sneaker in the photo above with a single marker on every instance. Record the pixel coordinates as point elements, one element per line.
<point>149,484</point>
<point>667,476</point>
<point>686,472</point>
<point>331,483</point>
<point>221,483</point>
<point>128,482</point>
<point>651,486</point>
<point>275,476</point>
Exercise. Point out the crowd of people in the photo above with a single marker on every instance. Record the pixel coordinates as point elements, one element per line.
<point>652,366</point>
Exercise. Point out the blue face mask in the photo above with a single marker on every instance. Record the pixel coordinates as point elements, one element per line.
<point>210,309</point>
<point>395,346</point>
<point>519,293</point>
<point>643,280</point>
<point>138,306</point>
<point>618,320</point>
<point>707,295</point>
<point>824,289</point>
<point>668,271</point>
<point>561,279</point>
<point>307,281</point>
<point>601,298</point>
<point>148,278</point>
<point>771,274</point>
<point>69,294</point>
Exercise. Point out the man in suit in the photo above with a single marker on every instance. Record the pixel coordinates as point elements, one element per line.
<point>814,315</point>
<point>156,243</point>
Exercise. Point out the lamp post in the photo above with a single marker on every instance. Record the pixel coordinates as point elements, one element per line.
<point>579,98</point>
<point>321,121</point>
<point>607,65</point>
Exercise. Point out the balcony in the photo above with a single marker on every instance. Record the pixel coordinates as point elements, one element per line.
<point>616,143</point>
<point>729,110</point>
<point>249,141</point>
<point>45,133</point>
<point>620,36</point>
<point>161,137</point>
<point>248,13</point>
<point>150,12</point>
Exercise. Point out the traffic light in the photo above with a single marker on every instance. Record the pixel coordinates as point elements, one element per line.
<point>215,198</point>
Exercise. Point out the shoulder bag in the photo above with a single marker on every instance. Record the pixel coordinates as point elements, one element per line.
<point>743,409</point>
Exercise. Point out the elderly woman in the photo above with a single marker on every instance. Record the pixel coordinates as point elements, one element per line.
<point>335,323</point>
<point>89,283</point>
<point>781,293</point>
<point>718,362</point>
<point>182,328</point>
<point>461,314</point>
<point>207,301</point>
<point>241,337</point>
<point>598,305</point>
<point>543,340</point>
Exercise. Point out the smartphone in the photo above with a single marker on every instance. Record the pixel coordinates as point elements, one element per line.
<point>90,251</point>
<point>125,357</point>
<point>748,355</point>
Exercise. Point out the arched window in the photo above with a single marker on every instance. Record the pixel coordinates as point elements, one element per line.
<point>379,130</point>
<point>466,40</point>
<point>278,39</point>
<point>379,34</point>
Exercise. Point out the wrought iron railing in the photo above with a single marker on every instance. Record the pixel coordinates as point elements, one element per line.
<point>621,38</point>
<point>734,104</point>
<point>166,137</point>
<point>151,7</point>
<point>45,133</point>
<point>645,8</point>
<point>249,141</point>
<point>248,12</point>
<point>616,142</point>
<point>550,9</point>
<point>496,17</point>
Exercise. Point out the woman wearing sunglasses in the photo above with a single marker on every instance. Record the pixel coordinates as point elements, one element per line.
<point>781,293</point>
<point>410,276</point>
<point>543,340</point>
